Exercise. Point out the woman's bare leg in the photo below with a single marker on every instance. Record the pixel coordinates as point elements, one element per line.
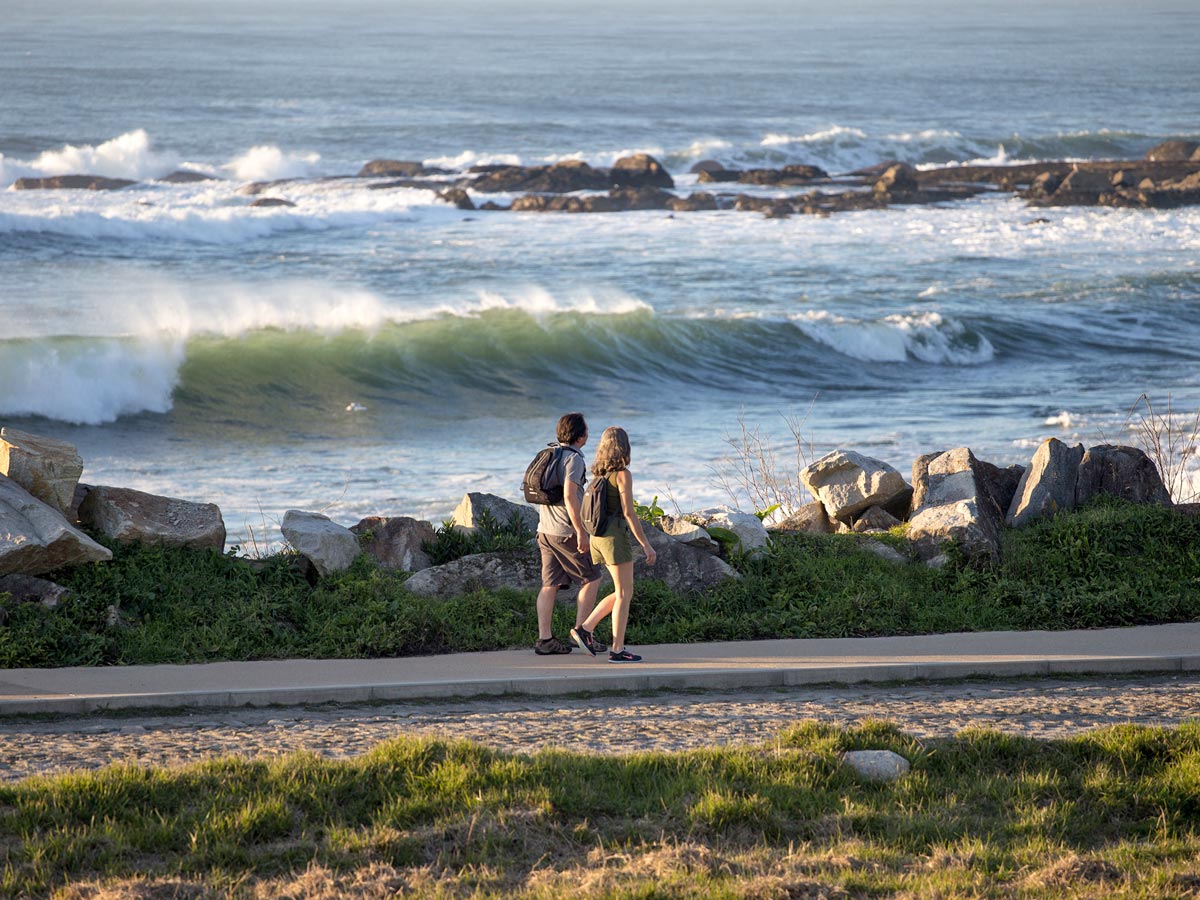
<point>622,576</point>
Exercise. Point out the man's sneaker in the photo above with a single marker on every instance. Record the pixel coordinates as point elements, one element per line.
<point>551,646</point>
<point>621,656</point>
<point>583,638</point>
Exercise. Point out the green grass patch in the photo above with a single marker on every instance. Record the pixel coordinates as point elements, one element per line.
<point>1113,813</point>
<point>1111,564</point>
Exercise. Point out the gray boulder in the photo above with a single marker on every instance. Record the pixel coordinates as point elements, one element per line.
<point>874,520</point>
<point>1048,485</point>
<point>27,589</point>
<point>520,571</point>
<point>475,506</point>
<point>683,568</point>
<point>877,765</point>
<point>47,468</point>
<point>955,506</point>
<point>130,516</point>
<point>688,532</point>
<point>751,533</point>
<point>396,542</point>
<point>848,483</point>
<point>810,517</point>
<point>35,538</point>
<point>1124,472</point>
<point>327,545</point>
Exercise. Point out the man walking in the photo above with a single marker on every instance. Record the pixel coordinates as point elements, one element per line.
<point>566,556</point>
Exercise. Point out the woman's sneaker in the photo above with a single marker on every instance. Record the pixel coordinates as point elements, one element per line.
<point>622,656</point>
<point>586,642</point>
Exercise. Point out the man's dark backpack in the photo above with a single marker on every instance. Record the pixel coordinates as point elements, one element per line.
<point>594,509</point>
<point>543,482</point>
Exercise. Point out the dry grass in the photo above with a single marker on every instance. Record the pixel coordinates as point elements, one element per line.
<point>755,472</point>
<point>1172,441</point>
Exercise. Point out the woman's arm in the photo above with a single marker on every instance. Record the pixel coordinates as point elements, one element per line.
<point>625,486</point>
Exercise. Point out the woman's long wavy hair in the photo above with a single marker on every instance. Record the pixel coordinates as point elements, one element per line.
<point>613,453</point>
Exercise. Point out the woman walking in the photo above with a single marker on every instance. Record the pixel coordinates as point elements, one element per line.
<point>614,547</point>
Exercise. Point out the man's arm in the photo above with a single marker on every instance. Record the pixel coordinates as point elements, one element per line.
<point>573,496</point>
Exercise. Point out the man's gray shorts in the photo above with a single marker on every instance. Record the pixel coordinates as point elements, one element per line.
<point>562,563</point>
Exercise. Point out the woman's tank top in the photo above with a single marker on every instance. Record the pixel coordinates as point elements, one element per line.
<point>613,495</point>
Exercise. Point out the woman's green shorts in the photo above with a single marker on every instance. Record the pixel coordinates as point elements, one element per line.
<point>614,546</point>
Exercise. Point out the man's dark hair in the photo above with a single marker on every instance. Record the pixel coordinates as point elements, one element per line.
<point>571,428</point>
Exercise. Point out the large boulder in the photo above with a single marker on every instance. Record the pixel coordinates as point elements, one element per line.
<point>1048,485</point>
<point>477,509</point>
<point>27,589</point>
<point>641,170</point>
<point>955,506</point>
<point>396,542</point>
<point>47,468</point>
<point>130,516</point>
<point>328,546</point>
<point>518,570</point>
<point>1124,472</point>
<point>35,538</point>
<point>848,483</point>
<point>683,568</point>
<point>751,533</point>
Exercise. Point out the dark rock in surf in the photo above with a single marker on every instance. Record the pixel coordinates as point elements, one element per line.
<point>560,178</point>
<point>186,176</point>
<point>72,183</point>
<point>398,168</point>
<point>1174,151</point>
<point>694,202</point>
<point>640,171</point>
<point>897,180</point>
<point>718,176</point>
<point>272,201</point>
<point>458,198</point>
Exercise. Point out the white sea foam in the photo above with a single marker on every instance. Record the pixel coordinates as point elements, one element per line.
<point>927,337</point>
<point>1064,419</point>
<point>469,158</point>
<point>88,382</point>
<point>130,155</point>
<point>539,301</point>
<point>267,162</point>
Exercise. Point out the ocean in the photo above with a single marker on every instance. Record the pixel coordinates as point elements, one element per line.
<point>378,352</point>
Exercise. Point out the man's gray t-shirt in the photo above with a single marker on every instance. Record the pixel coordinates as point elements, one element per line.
<point>554,520</point>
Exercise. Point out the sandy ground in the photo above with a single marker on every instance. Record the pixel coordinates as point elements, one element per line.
<point>1038,708</point>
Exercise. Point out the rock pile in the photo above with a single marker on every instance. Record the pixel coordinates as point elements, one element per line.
<point>956,498</point>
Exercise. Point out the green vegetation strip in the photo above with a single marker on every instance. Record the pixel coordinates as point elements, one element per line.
<point>1112,813</point>
<point>1109,565</point>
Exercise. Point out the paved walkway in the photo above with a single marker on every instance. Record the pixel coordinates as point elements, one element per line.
<point>735,665</point>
